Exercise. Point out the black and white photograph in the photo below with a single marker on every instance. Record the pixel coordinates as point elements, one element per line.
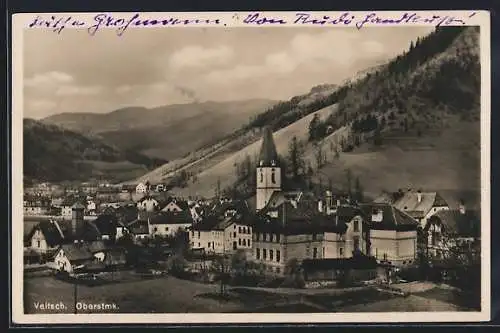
<point>265,166</point>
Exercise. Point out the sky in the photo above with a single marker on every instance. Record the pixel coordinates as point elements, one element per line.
<point>76,72</point>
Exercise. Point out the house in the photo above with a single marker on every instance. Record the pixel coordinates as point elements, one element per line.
<point>142,188</point>
<point>71,257</point>
<point>146,207</point>
<point>91,208</point>
<point>107,193</point>
<point>174,205</point>
<point>84,255</point>
<point>169,223</point>
<point>226,228</point>
<point>448,229</point>
<point>36,205</point>
<point>107,226</point>
<point>392,235</point>
<point>419,205</point>
<point>138,228</point>
<point>67,206</point>
<point>303,230</point>
<point>47,236</point>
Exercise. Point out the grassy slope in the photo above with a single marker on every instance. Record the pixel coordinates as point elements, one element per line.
<point>225,170</point>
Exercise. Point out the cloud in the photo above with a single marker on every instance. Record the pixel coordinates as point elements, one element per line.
<point>314,51</point>
<point>49,78</point>
<point>71,90</point>
<point>197,57</point>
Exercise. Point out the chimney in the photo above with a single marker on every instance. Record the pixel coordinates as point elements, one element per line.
<point>419,196</point>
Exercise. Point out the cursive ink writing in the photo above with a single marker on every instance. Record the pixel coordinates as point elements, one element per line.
<point>256,18</point>
<point>122,24</point>
<point>57,24</point>
<point>437,20</point>
<point>305,18</point>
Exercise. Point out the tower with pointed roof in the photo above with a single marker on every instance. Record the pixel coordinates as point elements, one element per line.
<point>268,170</point>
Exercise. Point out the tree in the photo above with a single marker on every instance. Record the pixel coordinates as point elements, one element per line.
<point>313,127</point>
<point>296,158</point>
<point>294,273</point>
<point>319,154</point>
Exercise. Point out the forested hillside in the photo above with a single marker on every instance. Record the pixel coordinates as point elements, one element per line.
<point>52,153</point>
<point>422,106</point>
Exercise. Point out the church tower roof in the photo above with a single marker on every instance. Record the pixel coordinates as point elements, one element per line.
<point>268,155</point>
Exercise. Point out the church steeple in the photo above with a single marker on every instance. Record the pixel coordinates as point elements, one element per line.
<point>268,156</point>
<point>268,170</point>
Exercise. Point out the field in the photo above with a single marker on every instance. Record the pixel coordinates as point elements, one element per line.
<point>172,295</point>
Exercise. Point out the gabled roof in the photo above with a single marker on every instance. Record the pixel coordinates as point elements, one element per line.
<point>183,217</point>
<point>268,153</point>
<point>138,227</point>
<point>303,217</point>
<point>182,204</point>
<point>77,252</point>
<point>106,224</point>
<point>457,224</point>
<point>51,230</point>
<point>392,218</point>
<point>409,203</point>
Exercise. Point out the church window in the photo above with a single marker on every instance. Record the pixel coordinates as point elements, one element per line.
<point>273,177</point>
<point>261,177</point>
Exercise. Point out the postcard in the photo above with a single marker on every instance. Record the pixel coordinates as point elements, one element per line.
<point>250,167</point>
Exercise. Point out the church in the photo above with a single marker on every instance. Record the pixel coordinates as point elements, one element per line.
<point>300,225</point>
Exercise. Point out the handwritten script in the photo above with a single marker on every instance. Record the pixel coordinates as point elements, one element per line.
<point>58,23</point>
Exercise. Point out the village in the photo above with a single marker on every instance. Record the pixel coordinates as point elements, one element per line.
<point>100,233</point>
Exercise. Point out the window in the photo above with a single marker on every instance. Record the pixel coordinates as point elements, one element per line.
<point>278,255</point>
<point>199,244</point>
<point>271,255</point>
<point>257,236</point>
<point>257,253</point>
<point>356,242</point>
<point>239,230</point>
<point>261,177</point>
<point>166,228</point>
<point>234,246</point>
<point>239,241</point>
<point>155,229</point>
<point>315,253</point>
<point>265,238</point>
<point>264,254</point>
<point>273,177</point>
<point>38,243</point>
<point>235,227</point>
<point>208,245</point>
<point>341,251</point>
<point>314,237</point>
<point>356,225</point>
<point>192,233</point>
<point>277,238</point>
<point>234,234</point>
<point>198,234</point>
<point>244,242</point>
<point>249,242</point>
<point>192,244</point>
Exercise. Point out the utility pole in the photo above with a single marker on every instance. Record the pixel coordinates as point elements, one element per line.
<point>75,291</point>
